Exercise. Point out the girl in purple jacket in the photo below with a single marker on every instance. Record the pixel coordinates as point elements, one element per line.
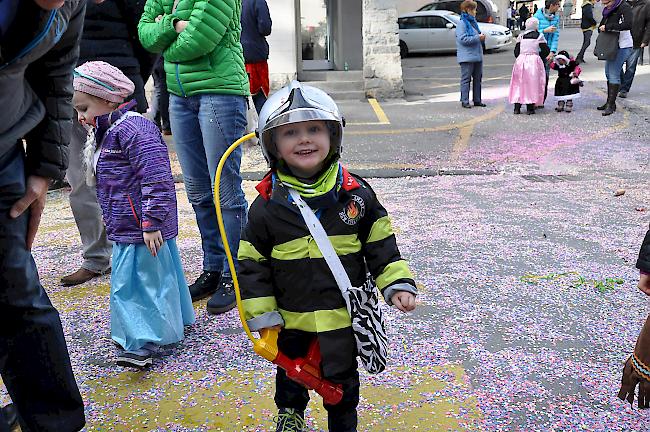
<point>127,157</point>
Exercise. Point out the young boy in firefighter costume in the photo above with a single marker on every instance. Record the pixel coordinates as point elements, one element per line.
<point>637,368</point>
<point>284,279</point>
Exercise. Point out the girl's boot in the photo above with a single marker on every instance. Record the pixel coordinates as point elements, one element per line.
<point>517,108</point>
<point>569,106</point>
<point>560,106</point>
<point>603,106</point>
<point>530,109</point>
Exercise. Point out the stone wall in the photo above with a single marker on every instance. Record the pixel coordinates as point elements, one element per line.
<point>382,67</point>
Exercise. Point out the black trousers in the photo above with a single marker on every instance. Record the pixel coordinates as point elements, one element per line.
<point>341,417</point>
<point>34,361</point>
<point>161,94</point>
<point>586,41</point>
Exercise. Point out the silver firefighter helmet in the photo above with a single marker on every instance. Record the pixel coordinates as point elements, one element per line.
<point>297,103</point>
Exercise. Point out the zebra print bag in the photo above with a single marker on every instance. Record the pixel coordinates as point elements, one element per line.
<point>362,302</point>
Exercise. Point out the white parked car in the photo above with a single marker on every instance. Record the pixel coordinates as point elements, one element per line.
<point>435,31</point>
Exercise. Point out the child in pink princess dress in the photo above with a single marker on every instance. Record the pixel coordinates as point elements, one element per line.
<point>528,74</point>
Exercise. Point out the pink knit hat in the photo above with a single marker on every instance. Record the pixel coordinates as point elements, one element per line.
<point>103,80</point>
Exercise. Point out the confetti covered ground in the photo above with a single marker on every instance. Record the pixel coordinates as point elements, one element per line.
<point>528,303</point>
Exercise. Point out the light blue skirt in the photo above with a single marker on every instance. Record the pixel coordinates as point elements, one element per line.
<point>150,300</point>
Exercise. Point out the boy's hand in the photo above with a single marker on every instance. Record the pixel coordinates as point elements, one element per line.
<point>481,37</point>
<point>550,29</point>
<point>404,301</point>
<point>644,283</point>
<point>153,240</point>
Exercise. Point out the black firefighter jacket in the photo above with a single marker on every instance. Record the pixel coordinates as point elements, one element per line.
<point>285,280</point>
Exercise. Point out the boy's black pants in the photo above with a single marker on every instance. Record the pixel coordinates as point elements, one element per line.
<point>341,417</point>
<point>34,361</point>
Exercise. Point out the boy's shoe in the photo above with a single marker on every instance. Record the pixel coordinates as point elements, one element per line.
<point>139,359</point>
<point>290,420</point>
<point>205,285</point>
<point>224,298</point>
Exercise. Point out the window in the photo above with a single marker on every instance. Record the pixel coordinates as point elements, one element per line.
<point>430,6</point>
<point>412,23</point>
<point>437,22</point>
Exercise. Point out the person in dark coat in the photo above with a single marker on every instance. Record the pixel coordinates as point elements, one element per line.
<point>39,46</point>
<point>255,26</point>
<point>587,25</point>
<point>110,34</point>
<point>524,13</point>
<point>640,39</point>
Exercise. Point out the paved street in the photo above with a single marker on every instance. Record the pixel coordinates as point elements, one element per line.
<point>523,254</point>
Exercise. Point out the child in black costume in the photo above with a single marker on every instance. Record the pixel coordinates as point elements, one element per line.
<point>285,281</point>
<point>567,85</point>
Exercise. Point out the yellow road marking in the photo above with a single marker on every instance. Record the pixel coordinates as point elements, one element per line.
<point>451,126</point>
<point>381,115</point>
<point>462,142</point>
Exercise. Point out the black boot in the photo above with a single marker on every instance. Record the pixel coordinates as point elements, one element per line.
<point>530,109</point>
<point>9,416</point>
<point>517,108</point>
<point>603,106</point>
<point>205,285</point>
<point>611,100</point>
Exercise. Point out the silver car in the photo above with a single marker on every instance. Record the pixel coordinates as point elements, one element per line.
<point>435,31</point>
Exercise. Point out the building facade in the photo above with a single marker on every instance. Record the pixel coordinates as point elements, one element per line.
<point>336,35</point>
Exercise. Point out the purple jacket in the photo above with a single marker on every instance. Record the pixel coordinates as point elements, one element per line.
<point>135,187</point>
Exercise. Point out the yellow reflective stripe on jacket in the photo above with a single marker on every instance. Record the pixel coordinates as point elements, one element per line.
<point>248,251</point>
<point>257,306</point>
<point>306,247</point>
<point>317,321</point>
<point>380,230</point>
<point>392,272</point>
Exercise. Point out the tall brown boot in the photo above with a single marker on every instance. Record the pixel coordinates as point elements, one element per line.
<point>611,100</point>
<point>637,370</point>
<point>603,106</point>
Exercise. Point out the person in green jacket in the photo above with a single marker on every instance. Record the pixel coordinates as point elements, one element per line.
<point>208,86</point>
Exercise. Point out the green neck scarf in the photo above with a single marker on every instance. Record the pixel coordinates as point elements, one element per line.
<point>323,183</point>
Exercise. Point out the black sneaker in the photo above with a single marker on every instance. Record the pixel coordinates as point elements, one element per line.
<point>138,359</point>
<point>290,420</point>
<point>205,285</point>
<point>224,299</point>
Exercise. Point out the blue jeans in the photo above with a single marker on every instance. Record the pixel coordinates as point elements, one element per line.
<point>471,71</point>
<point>204,127</point>
<point>613,67</point>
<point>630,69</point>
<point>34,360</point>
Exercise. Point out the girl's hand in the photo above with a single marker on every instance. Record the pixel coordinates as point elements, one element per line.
<point>601,28</point>
<point>644,283</point>
<point>154,241</point>
<point>404,301</point>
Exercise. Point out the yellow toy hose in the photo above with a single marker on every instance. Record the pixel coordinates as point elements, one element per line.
<point>266,346</point>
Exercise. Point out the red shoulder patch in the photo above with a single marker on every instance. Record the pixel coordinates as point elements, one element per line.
<point>349,182</point>
<point>265,187</point>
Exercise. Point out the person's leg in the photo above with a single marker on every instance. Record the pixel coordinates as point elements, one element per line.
<point>517,108</point>
<point>163,107</point>
<point>547,68</point>
<point>614,78</point>
<point>87,212</point>
<point>630,69</point>
<point>222,120</point>
<point>188,141</point>
<point>34,361</point>
<point>342,417</point>
<point>465,76</point>
<point>586,41</point>
<point>477,76</point>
